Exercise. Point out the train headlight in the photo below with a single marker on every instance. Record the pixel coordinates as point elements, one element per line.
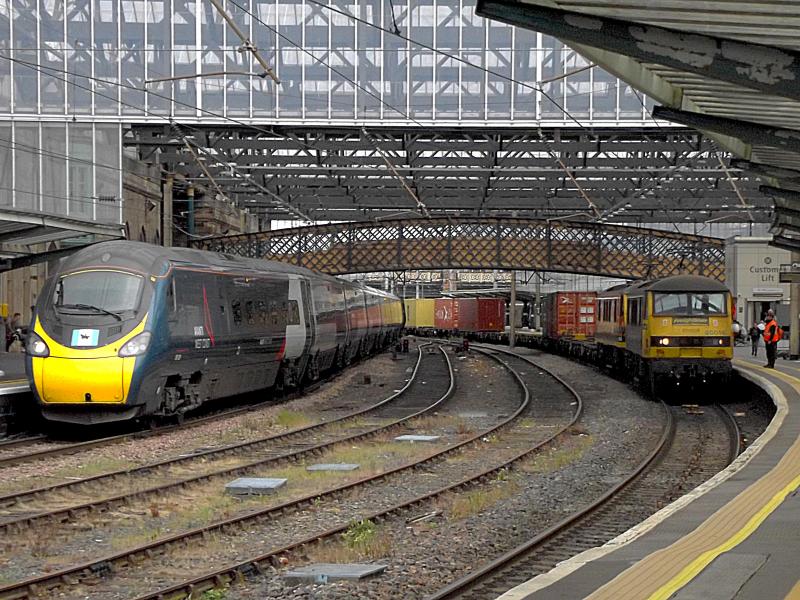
<point>37,346</point>
<point>664,341</point>
<point>135,346</point>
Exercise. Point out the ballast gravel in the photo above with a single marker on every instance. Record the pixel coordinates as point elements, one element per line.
<point>616,432</point>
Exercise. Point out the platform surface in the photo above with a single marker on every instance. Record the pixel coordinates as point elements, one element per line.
<point>12,364</point>
<point>738,540</point>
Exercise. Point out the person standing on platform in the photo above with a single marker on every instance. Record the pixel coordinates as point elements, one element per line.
<point>755,334</point>
<point>772,333</point>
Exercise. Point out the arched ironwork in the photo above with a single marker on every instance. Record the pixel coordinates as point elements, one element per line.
<point>483,243</point>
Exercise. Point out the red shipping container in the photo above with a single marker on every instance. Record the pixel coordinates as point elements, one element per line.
<point>467,314</point>
<point>491,314</point>
<point>455,314</point>
<point>570,314</point>
<point>443,313</point>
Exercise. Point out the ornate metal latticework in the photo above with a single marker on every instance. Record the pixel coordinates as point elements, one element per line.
<point>481,243</point>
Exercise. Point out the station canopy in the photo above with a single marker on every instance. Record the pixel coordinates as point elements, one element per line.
<point>28,238</point>
<point>728,68</point>
<point>337,173</point>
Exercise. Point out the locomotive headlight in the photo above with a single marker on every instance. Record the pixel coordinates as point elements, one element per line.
<point>37,346</point>
<point>665,341</point>
<point>135,346</point>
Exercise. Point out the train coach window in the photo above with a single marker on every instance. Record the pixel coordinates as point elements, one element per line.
<point>277,312</point>
<point>250,313</point>
<point>293,313</point>
<point>236,311</point>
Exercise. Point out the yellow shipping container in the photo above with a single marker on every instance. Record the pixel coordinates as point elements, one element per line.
<point>419,313</point>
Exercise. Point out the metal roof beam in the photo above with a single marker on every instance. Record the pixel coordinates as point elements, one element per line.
<point>766,170</point>
<point>750,132</point>
<point>754,66</point>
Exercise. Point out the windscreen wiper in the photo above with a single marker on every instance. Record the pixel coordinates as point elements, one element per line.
<point>90,307</point>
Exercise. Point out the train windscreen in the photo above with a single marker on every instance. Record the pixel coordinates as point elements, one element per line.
<point>685,304</point>
<point>112,291</point>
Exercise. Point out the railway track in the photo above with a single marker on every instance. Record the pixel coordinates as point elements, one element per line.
<point>680,460</point>
<point>258,564</point>
<point>18,510</point>
<point>87,571</point>
<point>13,442</point>
<point>40,446</point>
<point>118,562</point>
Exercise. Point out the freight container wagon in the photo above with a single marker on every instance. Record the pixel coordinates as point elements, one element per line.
<point>570,315</point>
<point>465,311</point>
<point>445,314</point>
<point>491,314</point>
<point>419,313</point>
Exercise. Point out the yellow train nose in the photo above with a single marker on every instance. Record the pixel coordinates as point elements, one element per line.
<point>70,380</point>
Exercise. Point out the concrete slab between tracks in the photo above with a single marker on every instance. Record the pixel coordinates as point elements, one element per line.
<point>738,527</point>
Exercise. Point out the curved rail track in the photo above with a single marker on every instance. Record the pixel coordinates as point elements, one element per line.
<point>79,573</point>
<point>256,564</point>
<point>623,506</point>
<point>197,585</point>
<point>58,448</point>
<point>16,513</point>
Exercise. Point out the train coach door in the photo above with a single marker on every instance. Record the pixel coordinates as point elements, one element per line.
<point>298,325</point>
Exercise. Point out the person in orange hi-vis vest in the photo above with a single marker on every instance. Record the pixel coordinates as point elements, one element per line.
<point>772,333</point>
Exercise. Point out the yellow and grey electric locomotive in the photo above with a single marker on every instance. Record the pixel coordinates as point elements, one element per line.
<point>126,330</point>
<point>676,330</point>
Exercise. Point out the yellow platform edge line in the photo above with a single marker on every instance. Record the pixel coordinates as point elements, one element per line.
<point>794,593</point>
<point>694,568</point>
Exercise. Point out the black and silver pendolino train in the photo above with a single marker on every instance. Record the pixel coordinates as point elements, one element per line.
<point>126,330</point>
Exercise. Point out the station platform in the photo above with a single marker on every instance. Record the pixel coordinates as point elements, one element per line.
<point>734,537</point>
<point>12,368</point>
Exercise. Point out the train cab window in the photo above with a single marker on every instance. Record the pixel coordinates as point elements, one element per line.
<point>685,304</point>
<point>187,290</point>
<point>98,291</point>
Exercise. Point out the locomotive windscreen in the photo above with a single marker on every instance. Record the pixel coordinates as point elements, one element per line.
<point>684,304</point>
<point>112,291</point>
